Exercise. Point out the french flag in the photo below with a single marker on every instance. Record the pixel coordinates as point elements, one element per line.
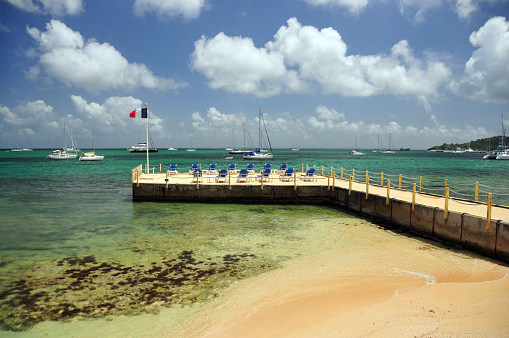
<point>143,113</point>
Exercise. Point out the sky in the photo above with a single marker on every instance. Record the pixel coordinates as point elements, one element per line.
<point>324,73</point>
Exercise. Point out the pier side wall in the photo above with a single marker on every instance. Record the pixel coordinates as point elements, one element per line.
<point>463,229</point>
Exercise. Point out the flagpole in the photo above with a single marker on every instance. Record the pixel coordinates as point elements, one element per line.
<point>148,167</point>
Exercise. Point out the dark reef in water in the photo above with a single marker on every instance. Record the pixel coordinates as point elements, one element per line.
<point>83,287</point>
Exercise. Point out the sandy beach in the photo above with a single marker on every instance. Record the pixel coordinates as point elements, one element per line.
<point>409,287</point>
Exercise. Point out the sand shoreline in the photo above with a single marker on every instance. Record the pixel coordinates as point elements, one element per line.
<point>428,293</point>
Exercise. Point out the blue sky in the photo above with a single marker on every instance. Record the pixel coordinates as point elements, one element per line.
<point>323,72</point>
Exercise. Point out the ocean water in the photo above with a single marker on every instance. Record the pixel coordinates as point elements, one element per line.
<point>75,249</point>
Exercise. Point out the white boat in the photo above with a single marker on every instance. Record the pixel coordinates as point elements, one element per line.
<point>172,148</point>
<point>501,153</point>
<point>91,156</point>
<point>19,148</point>
<point>294,149</point>
<point>355,152</point>
<point>391,147</point>
<point>141,148</point>
<point>66,153</point>
<point>191,149</point>
<point>237,151</point>
<point>259,154</point>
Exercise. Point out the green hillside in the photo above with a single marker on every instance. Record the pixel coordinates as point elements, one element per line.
<point>484,144</point>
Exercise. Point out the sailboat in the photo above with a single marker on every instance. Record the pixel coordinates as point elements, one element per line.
<point>502,152</point>
<point>259,154</point>
<point>19,148</point>
<point>391,147</point>
<point>172,147</point>
<point>355,152</point>
<point>91,156</point>
<point>65,153</point>
<point>191,149</point>
<point>235,151</point>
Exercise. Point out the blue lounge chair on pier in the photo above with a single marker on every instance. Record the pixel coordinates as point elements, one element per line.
<point>309,175</point>
<point>243,176</point>
<point>198,175</point>
<point>232,168</point>
<point>265,175</point>
<point>267,166</point>
<point>223,176</point>
<point>287,176</point>
<point>173,170</point>
<point>194,167</point>
<point>250,168</point>
<point>212,169</point>
<point>282,168</point>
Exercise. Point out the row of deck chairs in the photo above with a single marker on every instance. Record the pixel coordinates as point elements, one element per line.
<point>285,173</point>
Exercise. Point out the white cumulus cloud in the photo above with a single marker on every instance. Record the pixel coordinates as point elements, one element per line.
<point>91,65</point>
<point>486,74</point>
<point>303,58</point>
<point>189,9</point>
<point>52,7</point>
<point>31,113</point>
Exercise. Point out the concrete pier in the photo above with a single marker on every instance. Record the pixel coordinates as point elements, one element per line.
<point>461,222</point>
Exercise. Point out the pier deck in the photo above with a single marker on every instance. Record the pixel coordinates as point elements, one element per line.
<point>455,205</point>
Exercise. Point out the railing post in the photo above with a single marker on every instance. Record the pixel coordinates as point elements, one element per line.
<point>446,183</point>
<point>382,178</point>
<point>413,197</point>
<point>477,191</point>
<point>322,170</point>
<point>488,216</point>
<point>229,179</point>
<point>294,180</point>
<point>446,211</point>
<point>328,181</point>
<point>261,180</point>
<point>400,181</point>
<point>353,174</point>
<point>166,179</point>
<point>367,184</point>
<point>333,180</point>
<point>420,184</point>
<point>388,192</point>
<point>341,172</point>
<point>350,186</point>
<point>302,167</point>
<point>160,167</point>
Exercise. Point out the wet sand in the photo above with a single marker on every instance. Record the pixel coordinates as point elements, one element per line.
<point>405,287</point>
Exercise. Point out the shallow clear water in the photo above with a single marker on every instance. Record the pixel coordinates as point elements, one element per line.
<point>74,245</point>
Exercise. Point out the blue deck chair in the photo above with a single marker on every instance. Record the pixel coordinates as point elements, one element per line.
<point>243,176</point>
<point>309,175</point>
<point>232,168</point>
<point>223,176</point>
<point>173,170</point>
<point>250,168</point>
<point>212,169</point>
<point>193,168</point>
<point>265,175</point>
<point>282,168</point>
<point>267,166</point>
<point>197,175</point>
<point>287,176</point>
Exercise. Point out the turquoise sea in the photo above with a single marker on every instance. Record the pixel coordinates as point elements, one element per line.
<point>75,248</point>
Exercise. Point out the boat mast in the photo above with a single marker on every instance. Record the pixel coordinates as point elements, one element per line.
<point>260,129</point>
<point>146,145</point>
